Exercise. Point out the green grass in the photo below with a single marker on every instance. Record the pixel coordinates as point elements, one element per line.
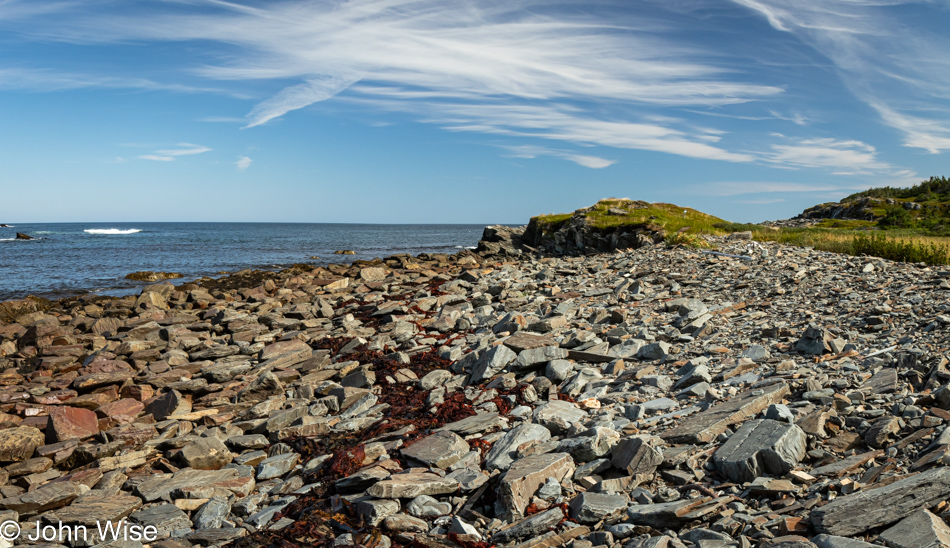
<point>914,243</point>
<point>668,217</point>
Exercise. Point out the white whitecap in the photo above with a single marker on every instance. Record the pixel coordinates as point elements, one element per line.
<point>111,231</point>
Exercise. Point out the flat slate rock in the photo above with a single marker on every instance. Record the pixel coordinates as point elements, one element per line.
<point>863,510</point>
<point>164,517</point>
<point>47,497</point>
<point>593,507</point>
<point>161,486</point>
<point>831,541</point>
<point>412,484</point>
<point>527,474</point>
<point>918,530</point>
<point>761,447</point>
<point>442,449</point>
<point>475,424</point>
<point>522,341</point>
<point>704,427</point>
<point>501,454</point>
<point>532,526</point>
<point>95,508</point>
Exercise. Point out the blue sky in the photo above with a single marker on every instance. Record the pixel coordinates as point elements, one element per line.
<point>462,111</point>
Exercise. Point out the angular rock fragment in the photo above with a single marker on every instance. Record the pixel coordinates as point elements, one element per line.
<point>527,474</point>
<point>918,530</point>
<point>760,447</point>
<point>206,454</point>
<point>412,484</point>
<point>636,456</point>
<point>501,454</point>
<point>705,426</point>
<point>19,443</point>
<point>594,507</point>
<point>863,510</point>
<point>441,450</point>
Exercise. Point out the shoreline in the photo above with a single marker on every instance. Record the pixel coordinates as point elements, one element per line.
<point>246,410</point>
<point>71,261</point>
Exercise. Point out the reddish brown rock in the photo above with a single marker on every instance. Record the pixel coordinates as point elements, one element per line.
<point>71,422</point>
<point>140,392</point>
<point>55,397</point>
<point>123,411</point>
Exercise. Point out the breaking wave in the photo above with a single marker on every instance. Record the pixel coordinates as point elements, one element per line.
<point>111,231</point>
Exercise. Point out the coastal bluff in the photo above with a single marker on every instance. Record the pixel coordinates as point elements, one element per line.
<point>556,386</point>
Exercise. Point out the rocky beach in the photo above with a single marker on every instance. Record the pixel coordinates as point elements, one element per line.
<point>567,389</point>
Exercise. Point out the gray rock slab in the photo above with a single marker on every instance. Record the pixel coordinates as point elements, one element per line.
<point>475,424</point>
<point>425,506</point>
<point>212,513</point>
<point>164,517</point>
<point>704,427</point>
<point>411,485</point>
<point>47,497</point>
<point>532,526</point>
<point>918,530</point>
<point>535,357</point>
<point>527,474</point>
<point>276,466</point>
<point>374,512</point>
<point>635,456</point>
<point>361,480</point>
<point>158,487</point>
<point>491,363</point>
<point>654,351</point>
<point>502,452</point>
<point>831,541</point>
<point>660,515</point>
<point>593,507</point>
<point>594,444</point>
<point>92,509</point>
<point>519,342</point>
<point>468,479</point>
<point>882,382</point>
<point>442,449</point>
<point>863,510</point>
<point>558,415</point>
<point>761,447</point>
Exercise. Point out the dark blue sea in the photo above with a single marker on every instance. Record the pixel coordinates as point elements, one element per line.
<point>75,258</point>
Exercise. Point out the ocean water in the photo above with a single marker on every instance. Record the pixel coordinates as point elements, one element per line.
<point>75,258</point>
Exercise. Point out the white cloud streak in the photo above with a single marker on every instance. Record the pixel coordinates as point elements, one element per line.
<point>36,80</point>
<point>243,163</point>
<point>737,188</point>
<point>850,156</point>
<point>899,70</point>
<point>530,151</point>
<point>169,155</point>
<point>496,67</point>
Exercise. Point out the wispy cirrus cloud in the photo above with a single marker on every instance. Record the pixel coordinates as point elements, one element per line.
<point>899,69</point>
<point>737,188</point>
<point>845,157</point>
<point>532,151</point>
<point>170,154</point>
<point>459,64</point>
<point>45,80</point>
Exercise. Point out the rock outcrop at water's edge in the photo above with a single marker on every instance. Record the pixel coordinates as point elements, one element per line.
<point>625,399</point>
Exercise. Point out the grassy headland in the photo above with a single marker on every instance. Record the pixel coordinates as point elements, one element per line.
<point>900,224</point>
